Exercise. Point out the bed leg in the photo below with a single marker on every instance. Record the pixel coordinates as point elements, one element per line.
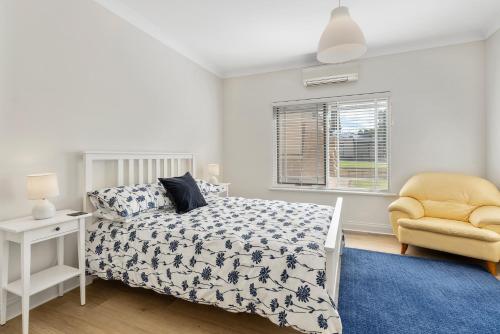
<point>404,247</point>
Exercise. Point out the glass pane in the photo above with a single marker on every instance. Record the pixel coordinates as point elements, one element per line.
<point>300,145</point>
<point>358,146</point>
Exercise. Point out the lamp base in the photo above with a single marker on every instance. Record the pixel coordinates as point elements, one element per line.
<point>43,209</point>
<point>213,180</point>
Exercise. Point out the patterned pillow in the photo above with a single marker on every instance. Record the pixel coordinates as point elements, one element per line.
<point>125,202</point>
<point>160,195</point>
<point>207,188</point>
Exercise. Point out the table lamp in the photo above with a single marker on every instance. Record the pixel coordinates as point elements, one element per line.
<point>213,173</point>
<point>40,187</point>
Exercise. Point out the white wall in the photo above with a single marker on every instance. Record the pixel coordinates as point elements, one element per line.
<point>493,107</point>
<point>437,110</point>
<point>84,79</point>
<point>4,63</point>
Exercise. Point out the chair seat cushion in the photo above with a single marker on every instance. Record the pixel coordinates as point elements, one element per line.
<point>494,228</point>
<point>450,227</point>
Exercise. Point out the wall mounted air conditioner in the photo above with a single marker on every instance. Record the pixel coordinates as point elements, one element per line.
<point>329,74</point>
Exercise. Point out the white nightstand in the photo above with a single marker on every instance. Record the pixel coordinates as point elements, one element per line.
<point>26,232</point>
<point>225,193</point>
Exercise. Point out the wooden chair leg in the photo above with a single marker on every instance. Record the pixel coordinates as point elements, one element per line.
<point>404,247</point>
<point>492,267</point>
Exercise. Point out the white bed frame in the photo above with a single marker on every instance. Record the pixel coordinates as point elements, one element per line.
<point>144,167</point>
<point>333,248</point>
<point>141,167</point>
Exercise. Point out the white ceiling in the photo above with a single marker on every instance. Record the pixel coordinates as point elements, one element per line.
<point>236,37</point>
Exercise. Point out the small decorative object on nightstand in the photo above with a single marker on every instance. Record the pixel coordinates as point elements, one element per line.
<point>40,187</point>
<point>26,232</point>
<point>213,173</point>
<point>225,193</point>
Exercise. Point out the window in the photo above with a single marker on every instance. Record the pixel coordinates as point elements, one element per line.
<point>336,144</point>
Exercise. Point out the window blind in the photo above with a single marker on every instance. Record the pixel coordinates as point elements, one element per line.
<point>336,145</point>
<point>301,136</point>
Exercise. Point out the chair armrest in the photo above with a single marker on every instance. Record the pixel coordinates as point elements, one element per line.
<point>408,205</point>
<point>485,215</point>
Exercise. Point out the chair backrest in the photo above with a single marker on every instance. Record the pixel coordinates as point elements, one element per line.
<point>451,195</point>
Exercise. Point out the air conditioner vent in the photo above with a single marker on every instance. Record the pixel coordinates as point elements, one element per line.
<point>329,74</point>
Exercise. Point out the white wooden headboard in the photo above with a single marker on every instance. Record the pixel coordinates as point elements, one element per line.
<point>141,167</point>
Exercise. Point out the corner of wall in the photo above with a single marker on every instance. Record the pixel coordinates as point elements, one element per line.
<point>492,106</point>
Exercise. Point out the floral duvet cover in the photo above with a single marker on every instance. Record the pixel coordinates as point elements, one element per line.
<point>243,255</point>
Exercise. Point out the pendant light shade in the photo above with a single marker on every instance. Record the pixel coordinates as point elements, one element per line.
<point>342,39</point>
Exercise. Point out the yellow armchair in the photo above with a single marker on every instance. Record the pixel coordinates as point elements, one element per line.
<point>449,212</point>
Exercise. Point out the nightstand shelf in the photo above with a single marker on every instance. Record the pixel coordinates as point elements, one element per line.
<point>44,279</point>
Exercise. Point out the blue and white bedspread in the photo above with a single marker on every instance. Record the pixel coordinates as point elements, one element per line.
<point>243,255</point>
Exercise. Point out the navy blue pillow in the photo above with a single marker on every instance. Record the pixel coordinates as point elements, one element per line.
<point>184,192</point>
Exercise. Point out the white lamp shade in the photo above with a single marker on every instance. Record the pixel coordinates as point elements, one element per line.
<point>342,39</point>
<point>42,186</point>
<point>213,169</point>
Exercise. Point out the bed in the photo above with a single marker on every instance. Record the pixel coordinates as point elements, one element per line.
<point>276,259</point>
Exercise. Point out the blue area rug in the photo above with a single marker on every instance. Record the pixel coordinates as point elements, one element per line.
<point>386,293</point>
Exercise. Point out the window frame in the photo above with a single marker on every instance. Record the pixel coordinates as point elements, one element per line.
<point>325,188</point>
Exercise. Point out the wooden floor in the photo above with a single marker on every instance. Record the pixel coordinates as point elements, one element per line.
<point>115,308</point>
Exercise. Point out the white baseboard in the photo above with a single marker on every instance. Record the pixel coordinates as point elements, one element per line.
<point>369,227</point>
<point>14,302</point>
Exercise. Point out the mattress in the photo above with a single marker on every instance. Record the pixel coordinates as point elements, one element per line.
<point>243,255</point>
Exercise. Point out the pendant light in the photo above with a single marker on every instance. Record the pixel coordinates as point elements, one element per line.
<point>342,39</point>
